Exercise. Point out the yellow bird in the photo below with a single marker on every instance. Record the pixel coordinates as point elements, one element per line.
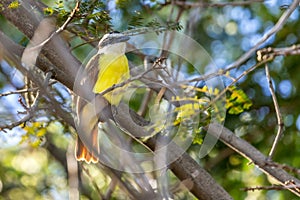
<point>105,69</point>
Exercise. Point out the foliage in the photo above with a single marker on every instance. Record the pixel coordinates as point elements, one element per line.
<point>34,133</point>
<point>14,5</point>
<point>237,102</point>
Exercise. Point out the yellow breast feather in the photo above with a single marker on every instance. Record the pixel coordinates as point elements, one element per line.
<point>113,69</point>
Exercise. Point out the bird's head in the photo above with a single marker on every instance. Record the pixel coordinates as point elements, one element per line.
<point>112,38</point>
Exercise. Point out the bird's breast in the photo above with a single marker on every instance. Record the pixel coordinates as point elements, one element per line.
<point>113,69</point>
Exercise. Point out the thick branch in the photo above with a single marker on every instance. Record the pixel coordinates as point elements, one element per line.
<point>65,65</point>
<point>185,168</point>
<point>255,156</point>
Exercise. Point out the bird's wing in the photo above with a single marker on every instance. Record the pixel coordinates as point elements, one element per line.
<point>87,123</point>
<point>91,71</point>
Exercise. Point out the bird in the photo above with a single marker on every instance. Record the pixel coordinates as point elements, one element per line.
<point>108,67</point>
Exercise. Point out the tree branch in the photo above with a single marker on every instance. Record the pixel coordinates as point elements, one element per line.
<point>220,5</point>
<point>278,113</point>
<point>255,156</point>
<point>278,26</point>
<point>64,64</point>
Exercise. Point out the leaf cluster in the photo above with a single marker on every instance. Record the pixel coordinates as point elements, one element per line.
<point>92,18</point>
<point>237,101</point>
<point>34,133</point>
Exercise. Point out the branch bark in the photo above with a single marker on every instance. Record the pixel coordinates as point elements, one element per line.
<point>255,156</point>
<point>64,64</point>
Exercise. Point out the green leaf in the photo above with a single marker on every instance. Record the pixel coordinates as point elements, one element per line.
<point>238,101</point>
<point>35,132</point>
<point>48,11</point>
<point>198,139</point>
<point>14,5</point>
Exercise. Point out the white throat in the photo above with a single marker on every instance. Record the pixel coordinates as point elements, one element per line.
<point>117,48</point>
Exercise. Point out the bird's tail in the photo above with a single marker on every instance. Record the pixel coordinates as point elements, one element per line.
<point>87,145</point>
<point>83,153</point>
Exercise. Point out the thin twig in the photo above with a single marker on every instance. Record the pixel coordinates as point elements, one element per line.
<point>272,187</point>
<point>263,60</point>
<point>55,106</point>
<point>168,37</point>
<point>144,30</point>
<point>285,167</point>
<point>255,156</point>
<point>263,54</point>
<point>236,80</point>
<point>222,4</point>
<point>248,54</point>
<point>32,110</point>
<point>72,170</point>
<point>16,123</point>
<point>148,94</point>
<point>110,189</point>
<point>278,113</point>
<point>61,28</point>
<point>206,77</point>
<point>22,91</point>
<point>292,50</point>
<point>272,52</point>
<point>156,65</point>
<point>92,180</point>
<point>278,26</point>
<point>145,102</point>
